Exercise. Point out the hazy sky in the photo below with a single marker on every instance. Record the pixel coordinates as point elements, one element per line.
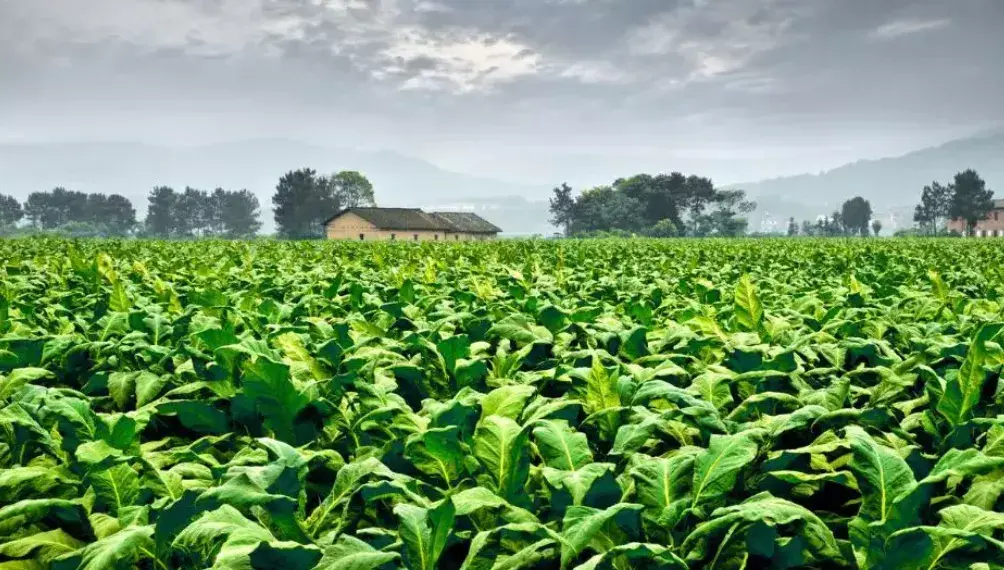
<point>512,88</point>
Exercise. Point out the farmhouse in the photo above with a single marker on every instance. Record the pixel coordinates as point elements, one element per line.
<point>991,226</point>
<point>408,224</point>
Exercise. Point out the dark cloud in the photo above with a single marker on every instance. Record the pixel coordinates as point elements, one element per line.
<point>430,76</point>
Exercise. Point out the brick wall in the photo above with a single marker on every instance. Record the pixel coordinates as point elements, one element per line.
<point>992,226</point>
<point>349,226</point>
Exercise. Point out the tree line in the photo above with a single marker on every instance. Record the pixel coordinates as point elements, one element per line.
<point>854,218</point>
<point>662,205</point>
<point>965,198</point>
<point>302,201</point>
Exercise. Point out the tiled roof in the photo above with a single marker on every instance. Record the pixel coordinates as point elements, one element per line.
<point>397,219</point>
<point>416,219</point>
<point>468,222</point>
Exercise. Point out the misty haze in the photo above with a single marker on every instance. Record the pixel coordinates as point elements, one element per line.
<point>490,105</point>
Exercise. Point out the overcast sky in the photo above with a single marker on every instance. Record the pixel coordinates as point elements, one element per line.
<point>513,87</point>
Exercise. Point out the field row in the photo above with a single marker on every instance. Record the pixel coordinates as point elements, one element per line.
<point>517,404</point>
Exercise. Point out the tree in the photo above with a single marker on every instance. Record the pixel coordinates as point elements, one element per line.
<point>876,227</point>
<point>724,220</point>
<point>856,214</point>
<point>106,215</point>
<point>11,211</point>
<point>118,215</point>
<point>160,212</point>
<point>971,200</point>
<point>241,214</point>
<point>562,207</point>
<point>663,229</point>
<point>792,227</point>
<point>603,209</point>
<point>192,213</point>
<point>352,189</point>
<point>50,210</point>
<point>935,203</point>
<point>301,203</point>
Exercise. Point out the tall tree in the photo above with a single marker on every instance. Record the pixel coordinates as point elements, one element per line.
<point>724,219</point>
<point>241,214</point>
<point>50,210</point>
<point>792,226</point>
<point>971,200</point>
<point>935,203</point>
<point>562,207</point>
<point>856,214</point>
<point>192,213</point>
<point>876,227</point>
<point>160,212</point>
<point>301,202</point>
<point>352,189</point>
<point>108,215</point>
<point>699,192</point>
<point>605,209</point>
<point>11,211</point>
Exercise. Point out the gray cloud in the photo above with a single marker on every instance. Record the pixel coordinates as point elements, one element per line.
<point>449,79</point>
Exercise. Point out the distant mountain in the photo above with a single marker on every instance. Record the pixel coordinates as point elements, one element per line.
<point>132,169</point>
<point>893,185</point>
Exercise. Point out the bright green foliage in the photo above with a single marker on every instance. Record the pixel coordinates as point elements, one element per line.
<point>594,405</point>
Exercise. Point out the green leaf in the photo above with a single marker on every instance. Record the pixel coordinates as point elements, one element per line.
<point>749,311</point>
<point>659,482</point>
<point>962,393</point>
<point>635,555</point>
<point>560,446</point>
<point>717,468</point>
<point>500,445</point>
<point>734,522</point>
<point>43,546</point>
<point>882,475</point>
<point>506,401</point>
<point>350,553</point>
<point>424,533</point>
<point>600,530</point>
<point>116,487</point>
<point>348,481</point>
<point>437,452</point>
<point>121,550</point>
<point>13,382</point>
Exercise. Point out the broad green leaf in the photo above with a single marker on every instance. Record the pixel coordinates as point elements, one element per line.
<point>350,553</point>
<point>882,475</point>
<point>500,445</point>
<point>600,530</point>
<point>121,550</point>
<point>962,393</point>
<point>424,533</point>
<point>437,452</point>
<point>42,546</point>
<point>560,446</point>
<point>748,309</point>
<point>717,468</point>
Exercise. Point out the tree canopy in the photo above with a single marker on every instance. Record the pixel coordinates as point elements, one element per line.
<point>303,200</point>
<point>660,205</point>
<point>200,213</point>
<point>971,200</point>
<point>88,214</point>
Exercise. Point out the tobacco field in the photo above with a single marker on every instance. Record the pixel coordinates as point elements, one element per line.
<point>589,405</point>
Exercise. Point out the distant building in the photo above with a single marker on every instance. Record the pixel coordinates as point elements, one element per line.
<point>408,224</point>
<point>991,226</point>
